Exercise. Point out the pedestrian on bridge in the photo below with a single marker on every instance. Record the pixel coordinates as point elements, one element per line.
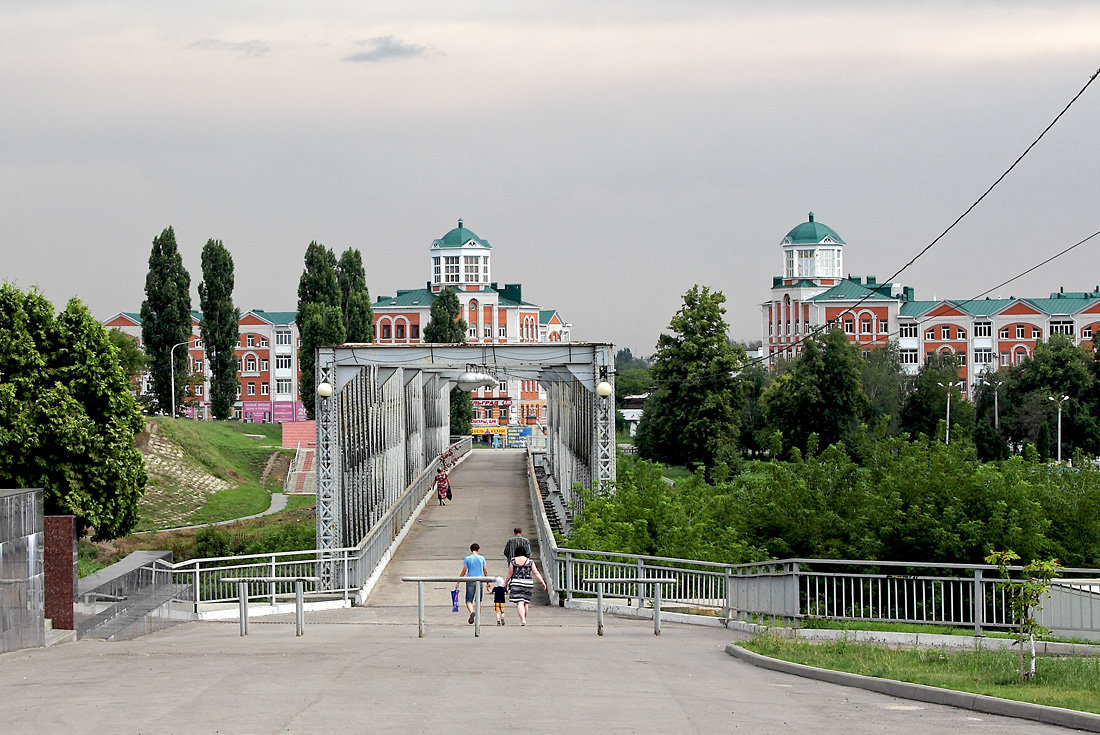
<point>473,566</point>
<point>516,544</point>
<point>520,583</point>
<point>442,486</point>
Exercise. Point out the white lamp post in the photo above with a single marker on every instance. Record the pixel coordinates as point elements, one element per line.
<point>1059,401</point>
<point>996,384</point>
<point>172,368</point>
<point>603,389</point>
<point>949,386</point>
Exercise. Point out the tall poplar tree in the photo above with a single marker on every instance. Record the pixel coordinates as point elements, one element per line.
<point>220,330</point>
<point>694,415</point>
<point>166,319</point>
<point>320,316</point>
<point>358,314</point>
<point>445,324</point>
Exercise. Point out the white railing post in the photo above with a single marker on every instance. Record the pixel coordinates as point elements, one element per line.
<point>641,586</point>
<point>727,613</point>
<point>979,602</point>
<point>272,588</point>
<point>568,576</point>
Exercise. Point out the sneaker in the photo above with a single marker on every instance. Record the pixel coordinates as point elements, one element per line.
<point>502,621</point>
<point>471,620</point>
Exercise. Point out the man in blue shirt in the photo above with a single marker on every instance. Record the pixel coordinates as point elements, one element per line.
<point>472,566</point>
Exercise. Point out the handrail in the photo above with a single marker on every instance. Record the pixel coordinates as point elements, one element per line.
<point>420,597</point>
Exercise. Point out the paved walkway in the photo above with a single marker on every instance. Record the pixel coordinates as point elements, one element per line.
<point>364,670</point>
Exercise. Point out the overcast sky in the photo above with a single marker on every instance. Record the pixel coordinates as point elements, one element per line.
<point>613,153</point>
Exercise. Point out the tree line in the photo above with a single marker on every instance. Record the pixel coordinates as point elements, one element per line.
<point>333,307</point>
<point>710,404</point>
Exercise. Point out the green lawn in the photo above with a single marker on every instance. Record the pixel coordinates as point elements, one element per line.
<point>1072,682</point>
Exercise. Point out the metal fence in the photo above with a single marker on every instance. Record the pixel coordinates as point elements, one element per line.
<point>349,569</point>
<point>797,590</point>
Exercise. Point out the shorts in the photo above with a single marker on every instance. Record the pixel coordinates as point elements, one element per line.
<point>498,607</point>
<point>471,591</point>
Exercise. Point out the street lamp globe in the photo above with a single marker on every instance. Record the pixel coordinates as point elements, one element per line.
<point>324,389</point>
<point>604,389</point>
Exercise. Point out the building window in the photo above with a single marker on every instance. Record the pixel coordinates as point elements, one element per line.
<point>488,331</point>
<point>865,326</point>
<point>1086,333</point>
<point>983,357</point>
<point>983,329</point>
<point>907,331</point>
<point>961,358</point>
<point>945,333</point>
<point>472,331</point>
<point>504,390</point>
<point>1061,328</point>
<point>414,331</point>
<point>1004,333</point>
<point>251,364</point>
<point>282,338</point>
<point>197,344</point>
<point>960,333</point>
<point>282,386</point>
<point>1005,359</point>
<point>828,262</point>
<point>930,334</point>
<point>884,327</point>
<point>435,270</point>
<point>282,362</point>
<point>251,340</point>
<point>198,389</point>
<point>1036,333</point>
<point>264,388</point>
<point>386,332</point>
<point>806,263</point>
<point>503,331</point>
<point>472,269</point>
<point>264,365</point>
<point>908,357</point>
<point>263,342</point>
<point>400,331</point>
<point>849,326</point>
<point>788,269</point>
<point>450,269</point>
<point>238,391</point>
<point>251,388</point>
<point>1019,331</point>
<point>198,366</point>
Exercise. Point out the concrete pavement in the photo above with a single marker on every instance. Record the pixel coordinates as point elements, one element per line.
<point>364,670</point>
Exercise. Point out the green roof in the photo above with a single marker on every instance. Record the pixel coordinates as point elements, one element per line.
<point>981,307</point>
<point>135,315</point>
<point>276,317</point>
<point>811,232</point>
<point>413,297</point>
<point>916,308</point>
<point>545,315</point>
<point>849,290</point>
<point>458,237</point>
<point>1063,305</point>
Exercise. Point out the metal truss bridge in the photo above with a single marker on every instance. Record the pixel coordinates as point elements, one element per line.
<point>383,418</point>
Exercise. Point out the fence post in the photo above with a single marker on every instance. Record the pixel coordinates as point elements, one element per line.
<point>347,582</point>
<point>197,588</point>
<point>979,602</point>
<point>796,621</point>
<point>641,588</point>
<point>273,583</point>
<point>568,577</point>
<point>728,611</point>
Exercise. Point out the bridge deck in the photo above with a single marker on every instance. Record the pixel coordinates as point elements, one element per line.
<point>490,499</point>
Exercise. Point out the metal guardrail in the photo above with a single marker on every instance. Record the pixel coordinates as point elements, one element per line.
<point>547,543</point>
<point>794,590</point>
<point>299,598</point>
<point>208,579</point>
<point>657,584</point>
<point>420,597</point>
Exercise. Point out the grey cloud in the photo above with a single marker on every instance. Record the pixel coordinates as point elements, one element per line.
<point>385,47</point>
<point>240,48</point>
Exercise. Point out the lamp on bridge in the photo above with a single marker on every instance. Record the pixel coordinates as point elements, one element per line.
<point>470,381</point>
<point>324,389</point>
<point>603,388</point>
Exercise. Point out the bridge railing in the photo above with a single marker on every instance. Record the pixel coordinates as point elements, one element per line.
<point>548,544</point>
<point>353,567</point>
<point>797,590</point>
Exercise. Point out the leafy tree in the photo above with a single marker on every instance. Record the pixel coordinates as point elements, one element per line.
<point>445,324</point>
<point>625,360</point>
<point>219,328</point>
<point>355,298</point>
<point>884,383</point>
<point>1024,598</point>
<point>694,415</point>
<point>1058,368</point>
<point>926,406</point>
<point>67,417</point>
<point>320,316</point>
<point>131,357</point>
<point>166,319</point>
<point>821,394</point>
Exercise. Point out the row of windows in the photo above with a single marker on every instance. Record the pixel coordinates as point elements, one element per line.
<point>397,331</point>
<point>475,269</point>
<point>866,326</point>
<point>985,329</point>
<point>282,388</point>
<point>981,356</point>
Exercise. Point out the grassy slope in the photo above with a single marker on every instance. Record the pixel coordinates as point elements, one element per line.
<point>222,449</point>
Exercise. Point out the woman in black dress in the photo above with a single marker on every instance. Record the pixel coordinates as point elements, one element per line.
<point>522,574</point>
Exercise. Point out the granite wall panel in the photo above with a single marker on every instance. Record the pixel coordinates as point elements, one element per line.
<point>22,575</point>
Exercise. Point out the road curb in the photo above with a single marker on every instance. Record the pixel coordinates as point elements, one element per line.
<point>922,693</point>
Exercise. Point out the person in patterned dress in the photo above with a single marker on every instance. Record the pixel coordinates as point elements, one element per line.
<point>522,573</point>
